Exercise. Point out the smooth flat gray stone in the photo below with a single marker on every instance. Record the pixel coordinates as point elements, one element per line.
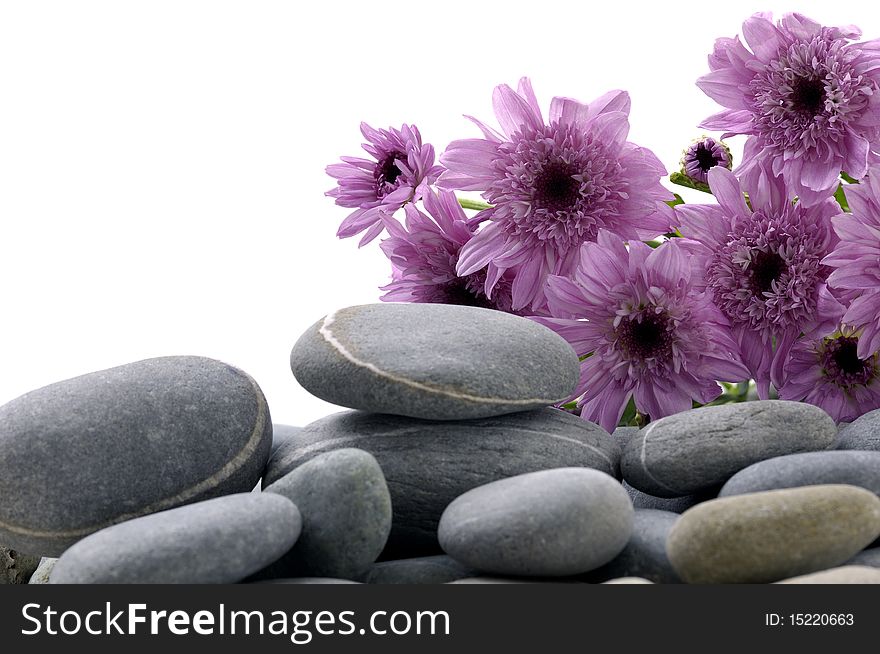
<point>439,569</point>
<point>863,433</point>
<point>870,558</point>
<point>694,451</point>
<point>346,515</point>
<point>218,541</point>
<point>15,567</point>
<point>281,434</point>
<point>427,464</point>
<point>645,554</point>
<point>764,537</point>
<point>642,500</point>
<point>550,523</point>
<point>853,467</point>
<point>86,453</point>
<point>434,361</point>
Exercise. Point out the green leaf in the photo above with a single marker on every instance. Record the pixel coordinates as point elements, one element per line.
<point>478,205</point>
<point>840,196</point>
<point>677,201</point>
<point>848,179</point>
<point>683,180</point>
<point>629,414</point>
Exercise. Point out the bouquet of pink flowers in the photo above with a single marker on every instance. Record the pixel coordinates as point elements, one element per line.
<point>775,285</point>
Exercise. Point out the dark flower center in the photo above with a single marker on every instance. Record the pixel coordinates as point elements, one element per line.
<point>645,336</point>
<point>458,292</point>
<point>706,159</point>
<point>766,267</point>
<point>555,188</point>
<point>808,96</point>
<point>846,358</point>
<point>387,171</point>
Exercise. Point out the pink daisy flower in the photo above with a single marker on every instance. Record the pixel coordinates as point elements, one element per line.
<point>830,373</point>
<point>424,254</point>
<point>807,97</point>
<point>765,271</point>
<point>401,170</point>
<point>856,259</point>
<point>649,329</point>
<point>553,186</point>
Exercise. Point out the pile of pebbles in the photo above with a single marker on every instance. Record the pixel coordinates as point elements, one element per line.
<point>451,467</point>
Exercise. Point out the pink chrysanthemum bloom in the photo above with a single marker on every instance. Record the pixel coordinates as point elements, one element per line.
<point>553,186</point>
<point>856,259</point>
<point>765,271</point>
<point>806,95</point>
<point>401,169</point>
<point>425,252</point>
<point>830,373</point>
<point>651,332</point>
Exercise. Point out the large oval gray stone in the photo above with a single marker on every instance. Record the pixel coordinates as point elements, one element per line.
<point>83,454</point>
<point>427,464</point>
<point>697,450</point>
<point>346,515</point>
<point>420,570</point>
<point>218,541</point>
<point>863,433</point>
<point>434,361</point>
<point>645,554</point>
<point>772,535</point>
<point>808,469</point>
<point>549,523</point>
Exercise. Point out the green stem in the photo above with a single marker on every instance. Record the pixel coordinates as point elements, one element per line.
<point>840,196</point>
<point>848,179</point>
<point>477,205</point>
<point>683,180</point>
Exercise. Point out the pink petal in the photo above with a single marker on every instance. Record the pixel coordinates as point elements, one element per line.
<point>513,111</point>
<point>728,192</point>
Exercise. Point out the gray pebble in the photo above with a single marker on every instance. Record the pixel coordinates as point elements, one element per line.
<point>645,553</point>
<point>43,571</point>
<point>429,463</point>
<point>83,454</point>
<point>861,434</point>
<point>421,570</point>
<point>549,523</point>
<point>346,515</point>
<point>772,535</point>
<point>642,500</point>
<point>218,541</point>
<point>807,469</point>
<point>695,450</point>
<point>869,557</point>
<point>848,574</point>
<point>434,361</point>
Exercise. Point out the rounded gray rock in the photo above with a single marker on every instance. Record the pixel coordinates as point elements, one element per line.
<point>645,553</point>
<point>89,452</point>
<point>848,574</point>
<point>642,500</point>
<point>863,433</point>
<point>808,469</point>
<point>439,569</point>
<point>218,541</point>
<point>870,558</point>
<point>772,535</point>
<point>434,361</point>
<point>697,450</point>
<point>44,570</point>
<point>346,515</point>
<point>427,464</point>
<point>549,523</point>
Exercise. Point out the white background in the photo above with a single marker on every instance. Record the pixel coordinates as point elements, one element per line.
<point>162,163</point>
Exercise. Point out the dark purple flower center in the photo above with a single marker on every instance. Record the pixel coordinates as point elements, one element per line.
<point>645,336</point>
<point>556,189</point>
<point>842,365</point>
<point>767,267</point>
<point>387,172</point>
<point>706,159</point>
<point>808,95</point>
